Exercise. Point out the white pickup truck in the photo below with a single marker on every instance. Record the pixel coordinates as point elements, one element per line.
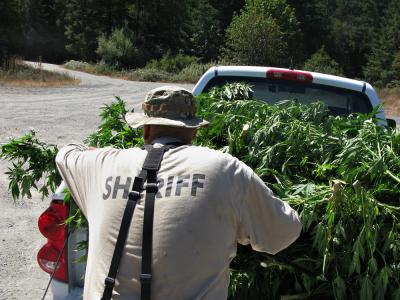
<point>343,96</point>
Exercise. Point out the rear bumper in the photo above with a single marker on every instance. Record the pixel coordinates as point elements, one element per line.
<point>61,291</point>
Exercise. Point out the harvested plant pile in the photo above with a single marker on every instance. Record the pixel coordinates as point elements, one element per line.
<point>341,174</point>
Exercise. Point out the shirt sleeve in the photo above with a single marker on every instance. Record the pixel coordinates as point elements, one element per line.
<point>75,163</point>
<point>266,222</point>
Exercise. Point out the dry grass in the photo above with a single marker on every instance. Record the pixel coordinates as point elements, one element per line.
<point>17,74</point>
<point>391,100</point>
<point>37,83</point>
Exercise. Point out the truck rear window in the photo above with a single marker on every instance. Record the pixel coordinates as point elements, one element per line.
<point>339,101</point>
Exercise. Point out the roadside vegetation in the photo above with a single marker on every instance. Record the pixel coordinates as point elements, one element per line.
<point>14,72</point>
<point>350,38</point>
<point>342,175</point>
<point>168,69</point>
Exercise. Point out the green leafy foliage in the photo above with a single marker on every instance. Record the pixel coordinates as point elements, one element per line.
<point>76,219</point>
<point>118,49</point>
<point>232,91</point>
<point>341,175</point>
<point>172,64</point>
<point>262,34</point>
<point>114,131</point>
<point>32,161</point>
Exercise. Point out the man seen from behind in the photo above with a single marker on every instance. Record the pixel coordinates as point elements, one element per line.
<point>206,202</point>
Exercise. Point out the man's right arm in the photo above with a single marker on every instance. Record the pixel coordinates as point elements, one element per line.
<point>266,222</point>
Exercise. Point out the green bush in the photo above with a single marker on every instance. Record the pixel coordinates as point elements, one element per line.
<point>192,72</point>
<point>118,49</point>
<point>105,69</point>
<point>149,74</point>
<point>321,62</point>
<point>171,64</point>
<point>262,34</point>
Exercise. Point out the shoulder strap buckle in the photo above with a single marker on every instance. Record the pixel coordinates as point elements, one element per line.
<point>134,195</point>
<point>145,278</point>
<point>152,187</point>
<point>109,282</point>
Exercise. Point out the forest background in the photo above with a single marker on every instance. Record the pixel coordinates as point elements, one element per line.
<point>354,38</point>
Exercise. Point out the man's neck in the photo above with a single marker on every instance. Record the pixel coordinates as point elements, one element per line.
<point>165,140</point>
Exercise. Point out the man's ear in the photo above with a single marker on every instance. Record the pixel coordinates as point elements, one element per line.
<point>146,132</point>
<point>194,133</point>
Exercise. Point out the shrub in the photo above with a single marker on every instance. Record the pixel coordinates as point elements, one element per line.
<point>118,49</point>
<point>321,62</point>
<point>192,72</point>
<point>263,34</point>
<point>171,64</point>
<point>149,74</point>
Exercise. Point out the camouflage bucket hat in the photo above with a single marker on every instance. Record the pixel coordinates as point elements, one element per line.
<point>167,105</point>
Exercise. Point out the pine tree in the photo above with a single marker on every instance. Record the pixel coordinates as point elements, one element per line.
<point>80,28</point>
<point>353,28</point>
<point>313,16</point>
<point>383,65</point>
<point>13,18</point>
<point>205,31</point>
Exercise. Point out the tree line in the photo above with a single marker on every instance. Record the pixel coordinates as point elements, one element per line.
<point>354,38</point>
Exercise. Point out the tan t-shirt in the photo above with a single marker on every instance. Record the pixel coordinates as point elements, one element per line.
<point>207,203</point>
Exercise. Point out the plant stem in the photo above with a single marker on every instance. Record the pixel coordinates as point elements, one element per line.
<point>392,175</point>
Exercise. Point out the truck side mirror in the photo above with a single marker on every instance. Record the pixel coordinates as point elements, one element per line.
<point>391,123</point>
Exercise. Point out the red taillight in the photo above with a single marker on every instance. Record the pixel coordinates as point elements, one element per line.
<point>51,225</point>
<point>47,259</point>
<point>298,76</point>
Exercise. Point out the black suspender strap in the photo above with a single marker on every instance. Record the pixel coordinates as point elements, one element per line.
<point>133,197</point>
<point>151,165</point>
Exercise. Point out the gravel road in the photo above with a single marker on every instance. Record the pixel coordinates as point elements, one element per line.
<point>60,116</point>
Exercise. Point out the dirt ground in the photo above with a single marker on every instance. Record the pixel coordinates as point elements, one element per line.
<point>60,116</point>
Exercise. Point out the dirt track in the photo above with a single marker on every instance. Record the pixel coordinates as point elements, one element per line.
<point>60,116</point>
